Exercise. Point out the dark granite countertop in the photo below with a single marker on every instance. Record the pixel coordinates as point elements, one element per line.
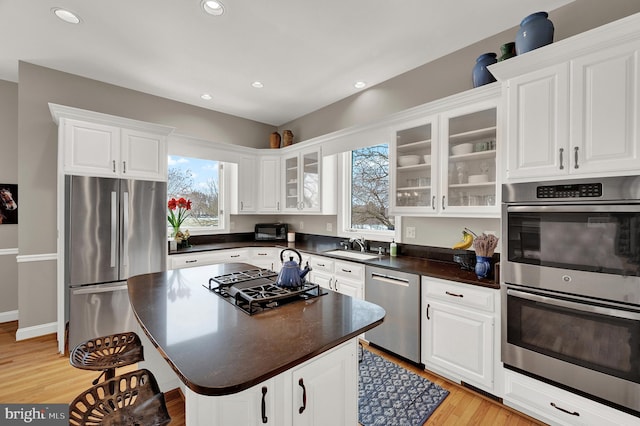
<point>216,349</point>
<point>417,265</point>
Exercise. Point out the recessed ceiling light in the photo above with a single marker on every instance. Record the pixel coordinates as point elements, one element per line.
<point>213,7</point>
<point>257,85</point>
<point>66,15</point>
<point>206,96</point>
<point>359,84</point>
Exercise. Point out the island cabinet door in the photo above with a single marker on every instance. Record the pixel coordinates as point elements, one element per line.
<point>325,389</point>
<point>253,407</point>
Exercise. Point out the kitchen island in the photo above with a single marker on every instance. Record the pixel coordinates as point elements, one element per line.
<point>283,365</point>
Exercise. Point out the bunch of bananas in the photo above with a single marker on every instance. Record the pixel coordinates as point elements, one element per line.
<point>467,240</point>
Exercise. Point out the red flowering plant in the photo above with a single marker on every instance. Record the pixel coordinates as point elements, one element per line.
<point>178,212</point>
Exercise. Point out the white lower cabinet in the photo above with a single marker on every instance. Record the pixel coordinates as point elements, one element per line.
<point>344,277</point>
<point>321,391</point>
<point>178,261</point>
<point>265,257</point>
<point>458,337</point>
<point>558,407</point>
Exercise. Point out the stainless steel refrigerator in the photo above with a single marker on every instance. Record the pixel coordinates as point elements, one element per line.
<point>115,229</point>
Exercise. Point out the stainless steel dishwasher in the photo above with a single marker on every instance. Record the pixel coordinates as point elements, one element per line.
<point>399,294</point>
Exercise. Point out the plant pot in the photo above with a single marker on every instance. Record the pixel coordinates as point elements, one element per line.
<point>481,74</point>
<point>507,50</point>
<point>535,31</point>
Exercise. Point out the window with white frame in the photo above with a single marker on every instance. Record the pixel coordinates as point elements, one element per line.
<point>200,181</point>
<point>365,201</point>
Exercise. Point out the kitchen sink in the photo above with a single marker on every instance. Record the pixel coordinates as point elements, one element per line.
<point>352,254</point>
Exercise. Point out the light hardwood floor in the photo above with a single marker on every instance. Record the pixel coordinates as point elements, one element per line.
<point>32,371</point>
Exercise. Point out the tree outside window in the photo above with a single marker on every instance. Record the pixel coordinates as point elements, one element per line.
<point>199,181</point>
<point>370,189</point>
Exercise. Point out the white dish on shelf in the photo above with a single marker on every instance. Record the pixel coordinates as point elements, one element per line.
<point>478,178</point>
<point>408,160</point>
<point>463,148</point>
<point>427,159</point>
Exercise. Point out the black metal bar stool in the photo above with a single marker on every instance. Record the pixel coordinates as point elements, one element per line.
<point>132,398</point>
<point>107,353</point>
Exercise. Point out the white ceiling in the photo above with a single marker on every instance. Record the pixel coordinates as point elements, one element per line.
<point>307,54</point>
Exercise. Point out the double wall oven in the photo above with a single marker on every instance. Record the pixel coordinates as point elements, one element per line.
<point>571,293</point>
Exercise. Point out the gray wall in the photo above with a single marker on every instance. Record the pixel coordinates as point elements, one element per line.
<point>37,154</point>
<point>448,75</point>
<point>37,136</point>
<point>8,174</point>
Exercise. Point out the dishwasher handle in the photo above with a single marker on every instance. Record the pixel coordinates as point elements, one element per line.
<point>390,279</point>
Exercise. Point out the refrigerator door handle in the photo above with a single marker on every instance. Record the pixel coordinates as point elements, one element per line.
<point>91,289</point>
<point>125,227</point>
<point>114,227</point>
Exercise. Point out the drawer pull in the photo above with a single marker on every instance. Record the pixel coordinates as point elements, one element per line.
<point>235,255</point>
<point>262,254</point>
<point>572,413</point>
<point>454,294</point>
<point>346,270</point>
<point>321,265</point>
<point>191,261</point>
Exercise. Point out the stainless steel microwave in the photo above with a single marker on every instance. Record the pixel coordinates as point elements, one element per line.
<point>271,231</point>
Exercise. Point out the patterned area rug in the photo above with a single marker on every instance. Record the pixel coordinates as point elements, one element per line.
<point>391,395</point>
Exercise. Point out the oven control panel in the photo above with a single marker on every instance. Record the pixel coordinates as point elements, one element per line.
<point>582,190</point>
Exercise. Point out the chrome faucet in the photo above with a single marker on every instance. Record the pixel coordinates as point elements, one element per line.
<point>361,242</point>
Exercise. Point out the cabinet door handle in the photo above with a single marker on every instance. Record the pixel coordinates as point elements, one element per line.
<point>336,284</point>
<point>278,206</point>
<point>124,167</point>
<point>561,160</point>
<point>433,202</point>
<point>114,166</point>
<point>241,205</point>
<point>304,396</point>
<point>443,198</point>
<point>575,157</point>
<point>264,405</point>
<point>572,413</point>
<point>330,286</point>
<point>454,294</point>
<point>428,306</point>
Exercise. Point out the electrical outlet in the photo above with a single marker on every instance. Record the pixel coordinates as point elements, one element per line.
<point>301,227</point>
<point>410,232</point>
<point>329,226</point>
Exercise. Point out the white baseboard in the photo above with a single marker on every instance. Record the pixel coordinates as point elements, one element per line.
<point>8,316</point>
<point>36,331</point>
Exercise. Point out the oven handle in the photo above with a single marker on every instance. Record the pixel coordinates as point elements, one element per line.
<point>575,305</point>
<point>581,208</point>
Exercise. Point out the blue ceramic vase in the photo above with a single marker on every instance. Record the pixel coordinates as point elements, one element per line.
<point>481,74</point>
<point>535,31</point>
<point>483,266</point>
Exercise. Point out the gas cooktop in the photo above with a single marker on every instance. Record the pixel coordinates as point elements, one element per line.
<point>255,290</point>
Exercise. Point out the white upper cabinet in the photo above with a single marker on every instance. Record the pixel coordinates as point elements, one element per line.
<point>445,163</point>
<point>269,185</point>
<point>573,107</point>
<point>302,181</point>
<point>247,184</point>
<point>95,144</point>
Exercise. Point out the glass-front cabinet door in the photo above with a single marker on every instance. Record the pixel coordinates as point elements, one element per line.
<point>413,163</point>
<point>469,162</point>
<point>302,181</point>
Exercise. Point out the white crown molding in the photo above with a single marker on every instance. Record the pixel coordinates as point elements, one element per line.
<point>619,32</point>
<point>37,257</point>
<point>9,252</point>
<point>61,111</point>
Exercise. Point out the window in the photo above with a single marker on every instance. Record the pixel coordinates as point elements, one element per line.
<point>200,181</point>
<point>366,193</point>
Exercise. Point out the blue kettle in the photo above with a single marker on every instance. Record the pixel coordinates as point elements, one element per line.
<point>290,275</point>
